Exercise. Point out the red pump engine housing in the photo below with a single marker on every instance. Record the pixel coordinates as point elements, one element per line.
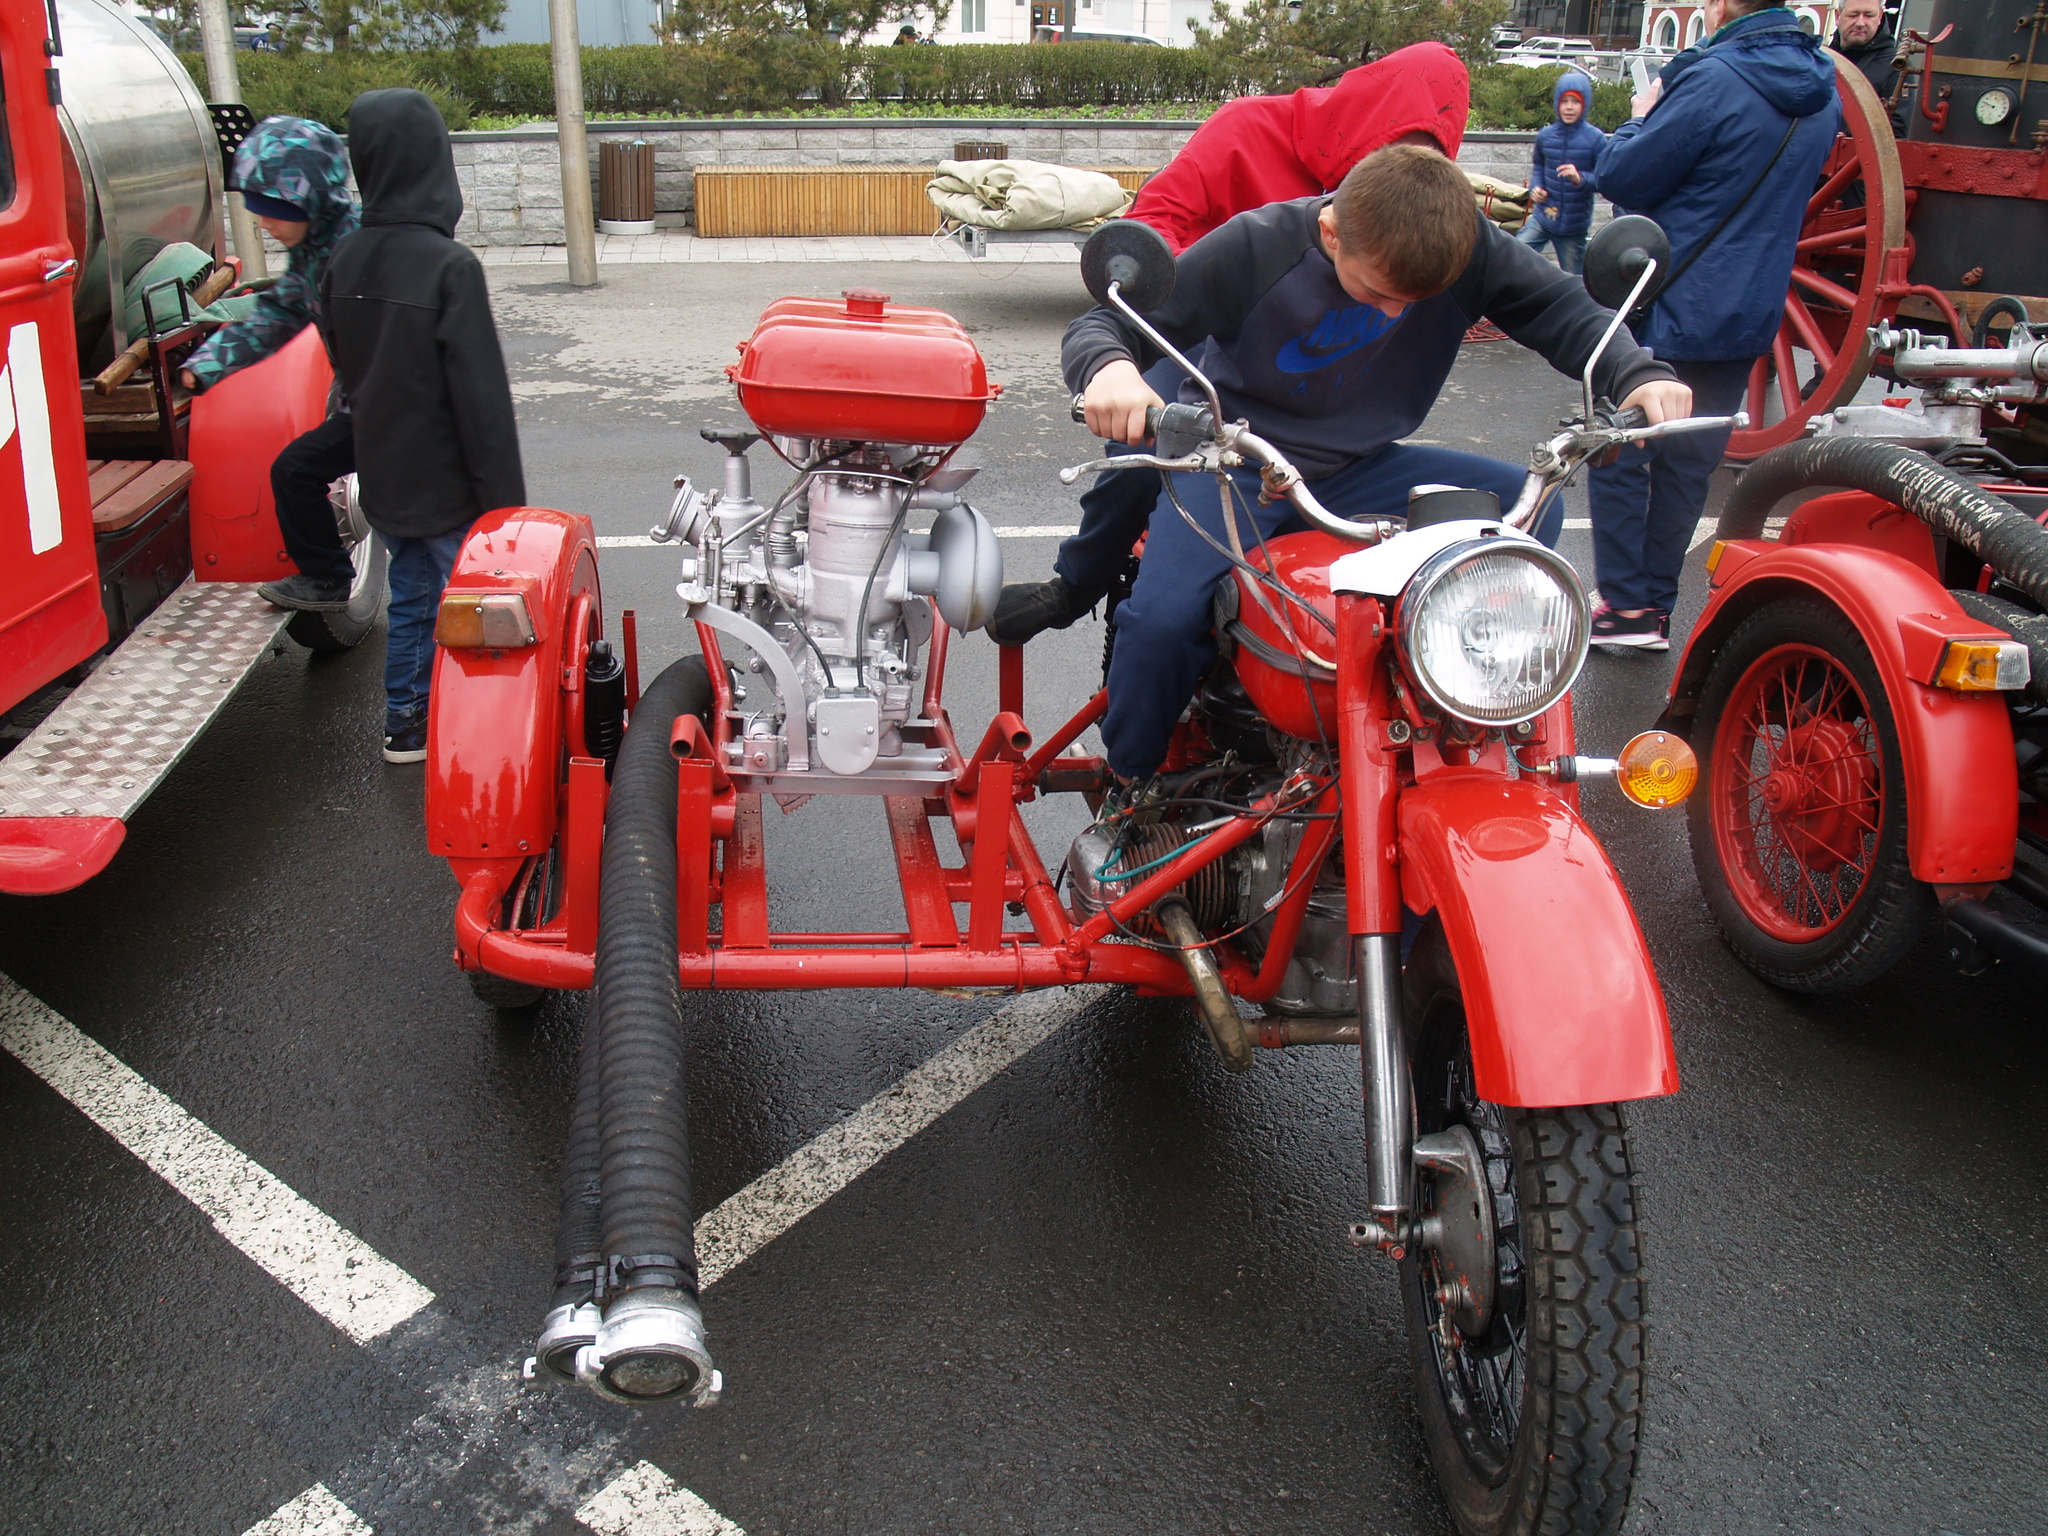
<point>860,371</point>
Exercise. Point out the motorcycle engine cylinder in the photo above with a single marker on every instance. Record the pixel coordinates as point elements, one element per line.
<point>1210,892</point>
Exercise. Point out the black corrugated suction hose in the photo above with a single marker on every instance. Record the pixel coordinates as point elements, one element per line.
<point>1990,528</point>
<point>643,1134</point>
<point>577,1255</point>
<point>2030,629</point>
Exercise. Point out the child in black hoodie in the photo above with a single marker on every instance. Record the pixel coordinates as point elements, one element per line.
<point>407,320</point>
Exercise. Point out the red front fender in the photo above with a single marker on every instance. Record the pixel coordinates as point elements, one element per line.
<point>1561,1000</point>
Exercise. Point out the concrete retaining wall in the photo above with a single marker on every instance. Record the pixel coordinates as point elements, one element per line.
<point>512,188</point>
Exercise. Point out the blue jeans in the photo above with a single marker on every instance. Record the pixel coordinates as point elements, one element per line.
<point>1571,249</point>
<point>419,571</point>
<point>1163,638</point>
<point>1646,504</point>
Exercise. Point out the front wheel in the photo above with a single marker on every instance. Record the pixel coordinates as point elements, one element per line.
<point>1525,1325</point>
<point>1799,823</point>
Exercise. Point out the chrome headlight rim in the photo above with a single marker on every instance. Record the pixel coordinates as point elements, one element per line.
<point>1438,568</point>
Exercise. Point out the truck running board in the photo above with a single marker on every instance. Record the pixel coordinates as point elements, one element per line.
<point>68,790</point>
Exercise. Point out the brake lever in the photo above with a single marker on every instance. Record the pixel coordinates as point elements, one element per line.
<point>1192,463</point>
<point>1684,424</point>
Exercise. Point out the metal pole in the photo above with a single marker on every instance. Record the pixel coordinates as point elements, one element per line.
<point>217,43</point>
<point>579,223</point>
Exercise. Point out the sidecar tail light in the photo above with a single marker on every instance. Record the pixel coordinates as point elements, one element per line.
<point>1983,666</point>
<point>1656,770</point>
<point>493,620</point>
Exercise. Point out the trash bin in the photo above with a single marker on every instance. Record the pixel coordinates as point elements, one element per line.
<point>625,187</point>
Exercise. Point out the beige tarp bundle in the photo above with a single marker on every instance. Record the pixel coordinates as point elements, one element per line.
<point>1024,194</point>
<point>1501,201</point>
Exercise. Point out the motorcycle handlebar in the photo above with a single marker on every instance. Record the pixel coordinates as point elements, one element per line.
<point>1179,420</point>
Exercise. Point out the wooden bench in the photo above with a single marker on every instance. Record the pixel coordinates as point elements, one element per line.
<point>125,491</point>
<point>769,200</point>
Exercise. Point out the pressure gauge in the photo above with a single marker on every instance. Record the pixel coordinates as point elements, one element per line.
<point>1995,106</point>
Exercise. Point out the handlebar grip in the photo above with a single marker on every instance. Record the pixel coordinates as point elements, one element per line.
<point>1632,419</point>
<point>1079,408</point>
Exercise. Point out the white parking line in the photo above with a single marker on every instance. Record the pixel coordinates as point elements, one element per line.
<point>645,1501</point>
<point>326,1266</point>
<point>746,1222</point>
<point>316,1512</point>
<point>739,1227</point>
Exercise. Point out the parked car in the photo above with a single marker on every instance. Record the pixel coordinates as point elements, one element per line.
<point>1534,51</point>
<point>1080,35</point>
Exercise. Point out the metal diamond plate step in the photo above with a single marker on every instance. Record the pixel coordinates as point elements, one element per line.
<point>106,747</point>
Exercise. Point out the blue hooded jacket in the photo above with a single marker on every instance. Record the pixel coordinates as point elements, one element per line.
<point>1567,209</point>
<point>1725,106</point>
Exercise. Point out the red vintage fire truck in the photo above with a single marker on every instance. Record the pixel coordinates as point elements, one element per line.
<point>133,517</point>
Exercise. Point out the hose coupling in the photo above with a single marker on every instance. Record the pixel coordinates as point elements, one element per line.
<point>651,1349</point>
<point>564,1334</point>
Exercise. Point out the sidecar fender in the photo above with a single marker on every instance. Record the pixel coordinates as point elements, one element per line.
<point>497,726</point>
<point>1561,1000</point>
<point>1962,779</point>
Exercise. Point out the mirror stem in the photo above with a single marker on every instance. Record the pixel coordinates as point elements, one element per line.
<point>1116,297</point>
<point>1621,314</point>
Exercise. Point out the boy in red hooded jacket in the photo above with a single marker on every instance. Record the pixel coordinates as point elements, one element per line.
<point>1254,151</point>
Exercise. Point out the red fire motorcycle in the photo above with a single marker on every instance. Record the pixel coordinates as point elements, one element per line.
<point>1392,734</point>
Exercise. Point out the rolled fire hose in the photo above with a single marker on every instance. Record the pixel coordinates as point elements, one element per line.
<point>1990,528</point>
<point>651,1346</point>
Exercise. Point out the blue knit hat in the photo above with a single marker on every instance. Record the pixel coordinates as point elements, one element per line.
<point>274,208</point>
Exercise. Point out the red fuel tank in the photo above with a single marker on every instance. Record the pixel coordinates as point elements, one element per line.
<point>859,370</point>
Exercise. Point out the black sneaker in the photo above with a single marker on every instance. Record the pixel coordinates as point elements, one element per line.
<point>1029,608</point>
<point>406,742</point>
<point>1649,630</point>
<point>302,592</point>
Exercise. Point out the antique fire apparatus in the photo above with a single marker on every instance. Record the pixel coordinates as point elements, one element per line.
<point>132,517</point>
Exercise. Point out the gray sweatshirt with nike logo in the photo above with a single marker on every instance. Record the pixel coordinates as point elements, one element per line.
<point>1324,378</point>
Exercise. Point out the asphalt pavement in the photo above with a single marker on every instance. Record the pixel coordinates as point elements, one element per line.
<point>989,1265</point>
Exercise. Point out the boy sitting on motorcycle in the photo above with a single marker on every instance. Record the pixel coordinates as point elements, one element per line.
<point>1330,324</point>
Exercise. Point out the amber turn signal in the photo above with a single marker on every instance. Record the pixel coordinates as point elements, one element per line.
<point>1656,769</point>
<point>1983,666</point>
<point>488,620</point>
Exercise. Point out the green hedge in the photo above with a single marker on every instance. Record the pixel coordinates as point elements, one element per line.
<point>764,74</point>
<point>516,81</point>
<point>1508,96</point>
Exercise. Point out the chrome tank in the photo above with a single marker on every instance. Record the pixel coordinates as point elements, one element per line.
<point>143,166</point>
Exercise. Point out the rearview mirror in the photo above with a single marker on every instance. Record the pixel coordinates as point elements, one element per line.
<point>1137,259</point>
<point>1616,256</point>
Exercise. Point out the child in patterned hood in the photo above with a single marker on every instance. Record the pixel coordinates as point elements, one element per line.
<point>293,174</point>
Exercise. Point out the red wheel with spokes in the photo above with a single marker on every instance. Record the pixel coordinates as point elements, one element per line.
<point>1799,824</point>
<point>1842,282</point>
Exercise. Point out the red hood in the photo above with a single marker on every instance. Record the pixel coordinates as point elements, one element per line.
<point>1421,88</point>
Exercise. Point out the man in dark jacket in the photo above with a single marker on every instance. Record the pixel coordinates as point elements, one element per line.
<point>407,319</point>
<point>1561,175</point>
<point>1723,151</point>
<point>1865,39</point>
<point>1330,324</point>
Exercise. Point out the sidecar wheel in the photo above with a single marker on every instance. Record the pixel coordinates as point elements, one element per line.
<point>1799,823</point>
<point>345,629</point>
<point>1531,1427</point>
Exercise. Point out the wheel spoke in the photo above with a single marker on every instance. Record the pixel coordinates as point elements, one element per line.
<point>1759,386</point>
<point>1810,337</point>
<point>1832,240</point>
<point>1832,187</point>
<point>1788,375</point>
<point>1813,282</point>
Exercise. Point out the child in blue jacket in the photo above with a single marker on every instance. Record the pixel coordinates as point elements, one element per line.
<point>1561,175</point>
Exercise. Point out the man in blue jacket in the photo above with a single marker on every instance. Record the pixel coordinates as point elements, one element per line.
<point>1723,151</point>
<point>1561,175</point>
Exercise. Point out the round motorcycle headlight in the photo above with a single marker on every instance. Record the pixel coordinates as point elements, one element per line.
<point>1494,630</point>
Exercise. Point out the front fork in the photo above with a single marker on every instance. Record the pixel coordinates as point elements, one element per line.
<point>1369,762</point>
